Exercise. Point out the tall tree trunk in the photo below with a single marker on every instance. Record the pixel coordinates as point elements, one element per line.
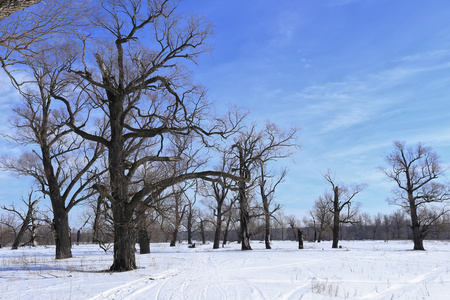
<point>189,225</point>
<point>244,218</point>
<point>227,229</point>
<point>336,215</point>
<point>124,238</point>
<point>122,210</point>
<point>218,230</point>
<point>300,238</point>
<point>266,216</point>
<point>415,226</point>
<point>267,232</point>
<point>173,239</point>
<point>95,229</point>
<point>202,231</point>
<point>62,232</point>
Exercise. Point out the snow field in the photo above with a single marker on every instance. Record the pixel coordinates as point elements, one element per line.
<point>360,270</point>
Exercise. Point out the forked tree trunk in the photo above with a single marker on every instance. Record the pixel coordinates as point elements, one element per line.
<point>25,225</point>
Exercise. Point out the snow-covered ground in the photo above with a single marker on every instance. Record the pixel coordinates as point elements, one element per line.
<point>360,270</point>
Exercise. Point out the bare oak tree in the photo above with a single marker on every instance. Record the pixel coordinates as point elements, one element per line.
<point>62,164</point>
<point>341,198</point>
<point>28,220</point>
<point>267,186</point>
<point>132,77</point>
<point>251,148</point>
<point>415,171</point>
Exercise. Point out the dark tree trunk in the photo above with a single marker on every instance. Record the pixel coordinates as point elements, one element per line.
<point>62,233</point>
<point>245,236</point>
<point>173,240</point>
<point>415,226</point>
<point>218,230</point>
<point>95,229</point>
<point>189,225</point>
<point>266,217</point>
<point>202,231</point>
<point>244,218</point>
<point>267,232</point>
<point>78,236</point>
<point>227,229</point>
<point>336,215</point>
<point>144,241</point>
<point>319,235</point>
<point>300,238</point>
<point>124,238</point>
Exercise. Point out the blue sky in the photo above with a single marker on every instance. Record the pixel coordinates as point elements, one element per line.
<point>353,76</point>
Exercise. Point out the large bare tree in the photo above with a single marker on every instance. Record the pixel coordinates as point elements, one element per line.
<point>61,163</point>
<point>415,171</point>
<point>341,198</point>
<point>130,73</point>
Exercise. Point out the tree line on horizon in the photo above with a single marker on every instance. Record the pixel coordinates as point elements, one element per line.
<point>110,118</point>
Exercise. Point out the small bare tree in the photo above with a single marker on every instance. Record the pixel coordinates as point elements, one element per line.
<point>28,220</point>
<point>341,198</point>
<point>322,215</point>
<point>415,171</point>
<point>267,192</point>
<point>251,148</point>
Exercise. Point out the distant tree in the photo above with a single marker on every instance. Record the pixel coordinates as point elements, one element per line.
<point>267,186</point>
<point>341,198</point>
<point>28,220</point>
<point>398,222</point>
<point>251,148</point>
<point>293,223</point>
<point>415,171</point>
<point>322,215</point>
<point>217,194</point>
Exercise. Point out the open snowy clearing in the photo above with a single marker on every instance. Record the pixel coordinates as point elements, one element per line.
<point>360,270</point>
